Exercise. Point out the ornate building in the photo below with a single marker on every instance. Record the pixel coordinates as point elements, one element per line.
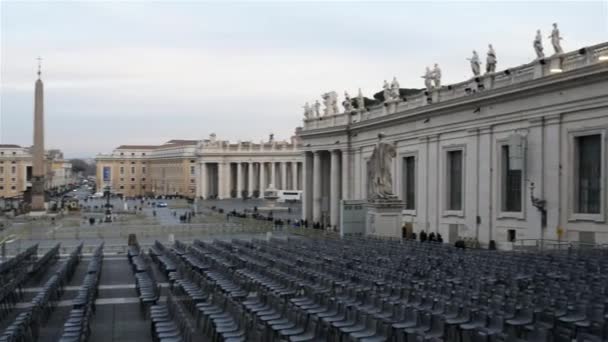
<point>209,168</point>
<point>515,154</point>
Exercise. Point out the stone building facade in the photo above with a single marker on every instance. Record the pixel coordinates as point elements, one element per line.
<point>517,154</point>
<point>208,168</point>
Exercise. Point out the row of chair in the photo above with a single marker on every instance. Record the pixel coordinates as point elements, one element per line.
<point>76,328</point>
<point>13,274</point>
<point>146,285</point>
<point>26,326</point>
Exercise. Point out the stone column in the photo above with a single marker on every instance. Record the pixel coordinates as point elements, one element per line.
<point>203,180</point>
<point>273,174</point>
<point>262,179</point>
<point>334,190</point>
<point>294,175</point>
<point>346,175</point>
<point>283,176</point>
<point>316,187</point>
<point>250,179</point>
<point>239,180</point>
<point>221,180</point>
<point>307,187</point>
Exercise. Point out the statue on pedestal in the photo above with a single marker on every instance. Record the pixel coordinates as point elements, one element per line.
<point>307,111</point>
<point>437,76</point>
<point>317,108</point>
<point>360,101</point>
<point>555,39</point>
<point>379,166</point>
<point>395,89</point>
<point>475,64</point>
<point>491,60</point>
<point>330,100</point>
<point>428,79</point>
<point>387,91</point>
<point>538,45</point>
<point>347,104</point>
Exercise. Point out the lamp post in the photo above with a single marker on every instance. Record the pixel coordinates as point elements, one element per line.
<point>108,205</point>
<point>540,204</point>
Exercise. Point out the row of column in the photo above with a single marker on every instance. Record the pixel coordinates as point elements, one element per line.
<point>221,179</point>
<point>325,177</point>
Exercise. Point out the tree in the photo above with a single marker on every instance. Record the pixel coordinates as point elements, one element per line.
<point>81,166</point>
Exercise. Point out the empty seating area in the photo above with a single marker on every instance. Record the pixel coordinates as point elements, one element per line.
<point>76,328</point>
<point>375,290</point>
<point>26,325</point>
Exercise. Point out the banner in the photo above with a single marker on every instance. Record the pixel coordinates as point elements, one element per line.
<point>106,173</point>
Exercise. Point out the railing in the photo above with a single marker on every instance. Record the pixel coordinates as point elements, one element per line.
<point>536,69</point>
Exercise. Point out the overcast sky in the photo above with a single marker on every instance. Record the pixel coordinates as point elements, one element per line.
<point>143,73</point>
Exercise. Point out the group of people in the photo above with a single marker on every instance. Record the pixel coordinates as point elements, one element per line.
<point>424,237</point>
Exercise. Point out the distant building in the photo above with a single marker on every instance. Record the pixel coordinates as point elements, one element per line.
<point>207,168</point>
<point>16,170</point>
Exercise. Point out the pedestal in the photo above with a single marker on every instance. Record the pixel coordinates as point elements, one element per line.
<point>384,218</point>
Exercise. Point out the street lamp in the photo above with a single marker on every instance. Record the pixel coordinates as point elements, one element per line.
<point>108,205</point>
<point>540,204</point>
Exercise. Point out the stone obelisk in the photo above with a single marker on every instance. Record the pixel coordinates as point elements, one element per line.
<point>38,169</point>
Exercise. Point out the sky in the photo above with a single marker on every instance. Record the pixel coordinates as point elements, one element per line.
<point>134,72</point>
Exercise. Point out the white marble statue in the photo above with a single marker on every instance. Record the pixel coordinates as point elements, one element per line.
<point>437,76</point>
<point>491,59</point>
<point>347,103</point>
<point>475,64</point>
<point>307,111</point>
<point>330,101</point>
<point>360,101</point>
<point>555,39</point>
<point>395,89</point>
<point>428,79</point>
<point>379,167</point>
<point>538,45</point>
<point>387,91</point>
<point>317,108</point>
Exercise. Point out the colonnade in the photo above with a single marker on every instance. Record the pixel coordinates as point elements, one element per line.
<point>224,179</point>
<point>325,177</point>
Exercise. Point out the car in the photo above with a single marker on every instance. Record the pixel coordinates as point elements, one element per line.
<point>161,205</point>
<point>75,190</point>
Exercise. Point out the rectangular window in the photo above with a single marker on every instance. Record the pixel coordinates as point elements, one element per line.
<point>588,169</point>
<point>1,169</point>
<point>13,187</point>
<point>454,180</point>
<point>192,170</point>
<point>511,184</point>
<point>13,169</point>
<point>122,186</point>
<point>409,182</point>
<point>132,169</point>
<point>132,179</point>
<point>143,170</point>
<point>122,170</point>
<point>1,187</point>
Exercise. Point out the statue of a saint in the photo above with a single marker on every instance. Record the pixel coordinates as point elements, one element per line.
<point>360,101</point>
<point>437,76</point>
<point>491,60</point>
<point>347,104</point>
<point>538,45</point>
<point>379,166</point>
<point>428,78</point>
<point>395,89</point>
<point>330,101</point>
<point>307,111</point>
<point>317,109</point>
<point>555,39</point>
<point>475,64</point>
<point>387,91</point>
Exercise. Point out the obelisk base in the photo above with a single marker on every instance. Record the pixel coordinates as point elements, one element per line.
<point>38,194</point>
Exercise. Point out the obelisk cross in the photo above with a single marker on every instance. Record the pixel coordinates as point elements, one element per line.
<point>39,65</point>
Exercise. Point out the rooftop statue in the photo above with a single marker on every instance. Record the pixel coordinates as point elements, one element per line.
<point>347,104</point>
<point>330,100</point>
<point>491,60</point>
<point>307,111</point>
<point>475,64</point>
<point>387,91</point>
<point>379,166</point>
<point>437,76</point>
<point>317,108</point>
<point>360,101</point>
<point>538,45</point>
<point>428,79</point>
<point>555,39</point>
<point>395,89</point>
